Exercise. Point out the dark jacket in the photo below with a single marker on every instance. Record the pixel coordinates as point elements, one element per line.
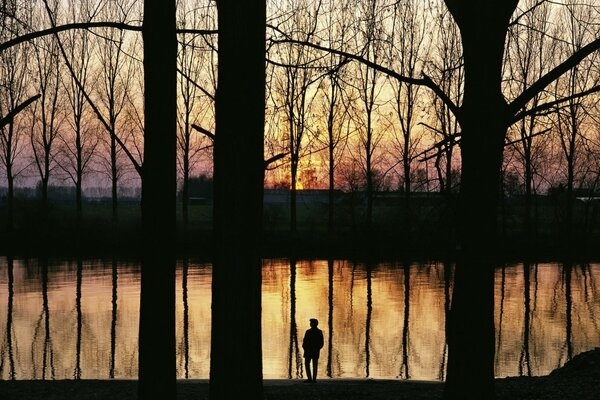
<point>312,343</point>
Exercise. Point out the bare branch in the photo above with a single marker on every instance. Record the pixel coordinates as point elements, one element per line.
<point>276,157</point>
<point>9,117</point>
<point>205,132</point>
<point>524,13</point>
<point>190,80</point>
<point>529,93</point>
<point>90,25</point>
<point>551,104</point>
<point>425,81</point>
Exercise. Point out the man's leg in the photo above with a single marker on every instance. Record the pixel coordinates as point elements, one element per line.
<point>315,368</point>
<point>307,365</point>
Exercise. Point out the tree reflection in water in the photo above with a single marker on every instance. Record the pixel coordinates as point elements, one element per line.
<point>113,323</point>
<point>383,320</point>
<point>77,371</point>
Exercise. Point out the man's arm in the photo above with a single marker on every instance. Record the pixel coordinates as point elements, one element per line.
<point>321,339</point>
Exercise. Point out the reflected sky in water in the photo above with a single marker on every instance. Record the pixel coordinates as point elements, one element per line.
<point>79,319</point>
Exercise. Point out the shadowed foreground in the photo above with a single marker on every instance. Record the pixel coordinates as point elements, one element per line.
<point>578,379</point>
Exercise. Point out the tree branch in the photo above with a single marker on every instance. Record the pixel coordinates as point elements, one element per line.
<point>190,80</point>
<point>276,157</point>
<point>553,75</point>
<point>425,81</point>
<point>205,132</point>
<point>546,106</point>
<point>89,25</point>
<point>9,117</point>
<point>524,13</point>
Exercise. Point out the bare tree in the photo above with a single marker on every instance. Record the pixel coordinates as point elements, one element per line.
<point>447,69</point>
<point>333,108</point>
<point>112,89</point>
<point>78,147</point>
<point>294,82</point>
<point>529,53</point>
<point>570,117</point>
<point>369,88</point>
<point>408,38</point>
<point>195,101</point>
<point>47,113</point>
<point>13,89</point>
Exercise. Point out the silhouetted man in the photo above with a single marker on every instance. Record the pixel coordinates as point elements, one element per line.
<point>312,345</point>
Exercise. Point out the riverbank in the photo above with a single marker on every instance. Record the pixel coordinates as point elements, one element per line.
<point>431,236</point>
<point>579,379</point>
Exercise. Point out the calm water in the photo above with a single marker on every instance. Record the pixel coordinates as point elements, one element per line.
<point>69,319</point>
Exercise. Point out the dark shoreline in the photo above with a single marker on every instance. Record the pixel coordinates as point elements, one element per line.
<point>377,247</point>
<point>576,380</point>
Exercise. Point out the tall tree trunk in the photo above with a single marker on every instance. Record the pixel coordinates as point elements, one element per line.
<point>10,198</point>
<point>369,173</point>
<point>114,178</point>
<point>157,365</point>
<point>331,150</point>
<point>78,179</point>
<point>185,189</point>
<point>294,196</point>
<point>236,349</point>
<point>484,125</point>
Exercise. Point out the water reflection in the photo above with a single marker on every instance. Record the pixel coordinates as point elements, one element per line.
<point>566,276</point>
<point>404,373</point>
<point>79,319</point>
<point>9,326</point>
<point>294,356</point>
<point>77,372</point>
<point>330,318</point>
<point>186,318</point>
<point>368,322</point>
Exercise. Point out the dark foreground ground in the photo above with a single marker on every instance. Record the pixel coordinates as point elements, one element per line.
<point>577,380</point>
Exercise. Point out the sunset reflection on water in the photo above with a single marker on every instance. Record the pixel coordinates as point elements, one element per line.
<point>79,319</point>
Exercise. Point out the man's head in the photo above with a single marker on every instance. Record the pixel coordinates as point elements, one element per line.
<point>314,322</point>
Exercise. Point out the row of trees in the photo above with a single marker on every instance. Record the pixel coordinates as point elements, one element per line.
<point>483,105</point>
<point>331,122</point>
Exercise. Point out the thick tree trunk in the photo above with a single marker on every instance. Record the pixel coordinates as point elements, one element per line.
<point>484,125</point>
<point>236,350</point>
<point>157,369</point>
